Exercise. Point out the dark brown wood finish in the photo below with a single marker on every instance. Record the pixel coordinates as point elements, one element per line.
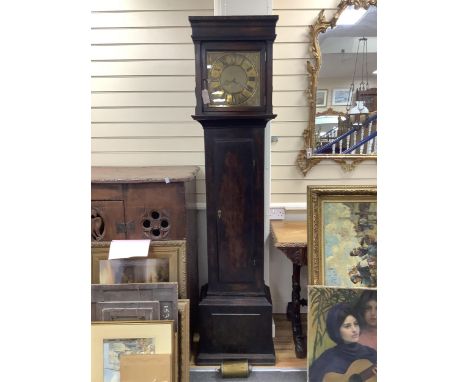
<point>235,307</point>
<point>234,164</point>
<point>155,202</point>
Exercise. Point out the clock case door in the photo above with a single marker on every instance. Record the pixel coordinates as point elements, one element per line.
<point>234,47</point>
<point>235,207</point>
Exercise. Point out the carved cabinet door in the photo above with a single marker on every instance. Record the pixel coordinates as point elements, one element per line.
<point>107,220</point>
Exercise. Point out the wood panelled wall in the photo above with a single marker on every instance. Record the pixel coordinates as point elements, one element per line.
<point>143,91</point>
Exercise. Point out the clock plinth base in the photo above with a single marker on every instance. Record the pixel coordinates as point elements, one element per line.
<point>235,328</point>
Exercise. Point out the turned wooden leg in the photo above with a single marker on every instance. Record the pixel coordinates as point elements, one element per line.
<point>295,314</point>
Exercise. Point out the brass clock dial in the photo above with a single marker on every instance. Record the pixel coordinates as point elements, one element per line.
<point>233,78</point>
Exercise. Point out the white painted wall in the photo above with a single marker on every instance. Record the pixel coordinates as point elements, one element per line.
<point>143,97</point>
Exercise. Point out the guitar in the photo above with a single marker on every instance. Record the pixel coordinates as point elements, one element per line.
<point>359,371</point>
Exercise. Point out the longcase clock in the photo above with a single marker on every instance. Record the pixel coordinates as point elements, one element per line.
<point>233,57</point>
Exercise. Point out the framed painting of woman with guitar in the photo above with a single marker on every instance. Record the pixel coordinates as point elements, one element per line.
<point>335,321</point>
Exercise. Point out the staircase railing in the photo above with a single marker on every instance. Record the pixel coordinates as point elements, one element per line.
<point>358,137</point>
<point>371,145</point>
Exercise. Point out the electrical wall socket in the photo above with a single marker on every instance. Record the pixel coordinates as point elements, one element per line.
<point>277,213</point>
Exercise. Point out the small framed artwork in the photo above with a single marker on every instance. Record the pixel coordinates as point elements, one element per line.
<point>172,250</point>
<point>340,97</point>
<point>321,98</point>
<point>184,340</point>
<point>134,270</point>
<point>112,340</point>
<point>134,301</point>
<point>341,334</point>
<point>342,235</point>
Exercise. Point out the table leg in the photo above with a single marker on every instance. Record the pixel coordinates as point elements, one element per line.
<point>294,312</point>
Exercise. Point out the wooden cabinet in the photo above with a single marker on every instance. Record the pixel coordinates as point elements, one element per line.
<point>156,203</point>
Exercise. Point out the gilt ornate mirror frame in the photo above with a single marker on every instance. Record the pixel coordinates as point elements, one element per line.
<point>347,161</point>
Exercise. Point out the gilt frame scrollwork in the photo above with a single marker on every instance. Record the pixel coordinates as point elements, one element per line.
<point>303,161</point>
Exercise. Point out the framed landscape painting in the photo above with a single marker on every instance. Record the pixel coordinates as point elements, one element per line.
<point>110,340</point>
<point>339,319</point>
<point>340,97</point>
<point>342,235</point>
<point>174,251</point>
<point>134,270</point>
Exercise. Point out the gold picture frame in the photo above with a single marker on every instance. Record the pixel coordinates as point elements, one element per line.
<point>174,250</point>
<point>154,337</point>
<point>183,335</point>
<point>342,235</point>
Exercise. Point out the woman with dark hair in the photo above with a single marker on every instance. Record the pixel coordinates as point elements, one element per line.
<point>343,329</point>
<point>366,309</point>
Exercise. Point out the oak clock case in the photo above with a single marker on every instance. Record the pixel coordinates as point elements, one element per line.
<point>233,58</point>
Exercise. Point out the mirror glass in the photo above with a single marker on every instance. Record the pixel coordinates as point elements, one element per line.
<point>348,74</point>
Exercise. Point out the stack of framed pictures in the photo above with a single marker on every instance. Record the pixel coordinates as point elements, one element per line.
<point>130,351</point>
<point>342,290</point>
<point>140,327</point>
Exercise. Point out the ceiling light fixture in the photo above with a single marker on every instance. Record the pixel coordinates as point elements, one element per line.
<point>359,108</point>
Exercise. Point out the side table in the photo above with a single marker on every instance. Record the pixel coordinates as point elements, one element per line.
<point>290,237</point>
